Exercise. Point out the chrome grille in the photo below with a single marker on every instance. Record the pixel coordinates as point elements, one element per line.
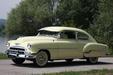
<point>17,49</point>
<point>14,50</point>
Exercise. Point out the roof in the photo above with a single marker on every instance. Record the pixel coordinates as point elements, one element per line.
<point>58,29</point>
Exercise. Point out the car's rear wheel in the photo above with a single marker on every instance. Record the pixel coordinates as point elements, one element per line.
<point>92,60</point>
<point>41,58</point>
<point>18,60</point>
<point>69,60</point>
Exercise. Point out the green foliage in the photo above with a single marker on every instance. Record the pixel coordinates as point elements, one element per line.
<point>92,72</point>
<point>81,12</point>
<point>103,28</point>
<point>31,15</point>
<point>1,30</point>
<point>69,23</point>
<point>28,17</point>
<point>2,26</point>
<point>3,56</point>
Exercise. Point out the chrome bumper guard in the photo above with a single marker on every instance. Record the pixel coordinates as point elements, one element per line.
<point>19,54</point>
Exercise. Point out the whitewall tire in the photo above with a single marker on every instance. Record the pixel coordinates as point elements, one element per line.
<point>41,58</point>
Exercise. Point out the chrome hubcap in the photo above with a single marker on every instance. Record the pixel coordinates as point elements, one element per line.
<point>42,58</point>
<point>93,60</point>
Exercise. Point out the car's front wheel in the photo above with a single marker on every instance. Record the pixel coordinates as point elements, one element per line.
<point>41,58</point>
<point>18,60</point>
<point>92,60</point>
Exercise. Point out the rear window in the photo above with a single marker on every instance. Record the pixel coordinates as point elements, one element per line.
<point>82,36</point>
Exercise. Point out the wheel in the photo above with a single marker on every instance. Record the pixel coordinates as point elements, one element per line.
<point>69,60</point>
<point>92,60</point>
<point>18,60</point>
<point>41,58</point>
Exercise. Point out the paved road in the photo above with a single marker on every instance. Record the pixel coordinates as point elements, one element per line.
<point>7,67</point>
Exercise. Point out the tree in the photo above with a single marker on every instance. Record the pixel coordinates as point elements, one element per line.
<point>103,28</point>
<point>80,13</point>
<point>28,17</point>
<point>31,15</point>
<point>2,26</point>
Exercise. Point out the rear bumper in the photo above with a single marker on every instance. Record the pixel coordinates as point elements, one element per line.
<point>19,54</point>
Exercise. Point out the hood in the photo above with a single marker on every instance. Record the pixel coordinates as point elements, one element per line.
<point>35,38</point>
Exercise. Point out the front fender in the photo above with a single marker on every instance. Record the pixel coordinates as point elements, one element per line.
<point>43,45</point>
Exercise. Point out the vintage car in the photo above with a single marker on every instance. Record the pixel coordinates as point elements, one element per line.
<point>56,43</point>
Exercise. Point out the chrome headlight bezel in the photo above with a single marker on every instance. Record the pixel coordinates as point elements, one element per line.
<point>8,44</point>
<point>29,46</point>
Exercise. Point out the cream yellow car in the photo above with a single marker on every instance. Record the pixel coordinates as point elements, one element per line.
<point>56,43</point>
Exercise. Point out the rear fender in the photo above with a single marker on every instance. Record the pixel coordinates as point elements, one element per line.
<point>95,50</point>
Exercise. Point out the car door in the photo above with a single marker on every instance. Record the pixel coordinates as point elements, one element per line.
<point>67,45</point>
<point>82,40</point>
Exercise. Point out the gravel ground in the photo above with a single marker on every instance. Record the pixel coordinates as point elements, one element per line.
<point>7,67</point>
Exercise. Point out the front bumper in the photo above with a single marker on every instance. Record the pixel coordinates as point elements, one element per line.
<point>19,54</point>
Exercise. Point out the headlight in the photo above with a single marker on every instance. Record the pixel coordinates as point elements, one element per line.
<point>28,45</point>
<point>8,44</point>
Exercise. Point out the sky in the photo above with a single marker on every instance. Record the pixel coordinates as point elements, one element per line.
<point>6,6</point>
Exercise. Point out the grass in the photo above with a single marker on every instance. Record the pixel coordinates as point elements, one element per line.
<point>92,72</point>
<point>3,56</point>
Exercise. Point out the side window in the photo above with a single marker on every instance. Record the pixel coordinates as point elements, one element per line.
<point>82,36</point>
<point>68,35</point>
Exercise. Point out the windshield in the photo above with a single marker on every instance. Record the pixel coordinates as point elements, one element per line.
<point>47,33</point>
